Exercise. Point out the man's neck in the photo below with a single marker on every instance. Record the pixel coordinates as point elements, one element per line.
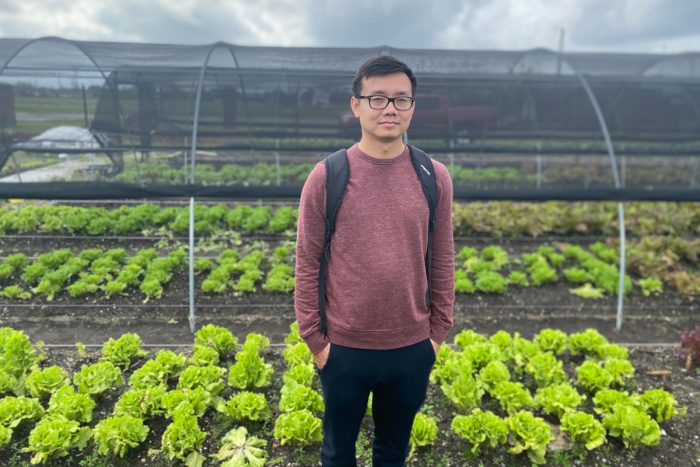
<point>381,150</point>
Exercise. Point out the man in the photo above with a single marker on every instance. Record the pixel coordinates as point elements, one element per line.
<point>381,335</point>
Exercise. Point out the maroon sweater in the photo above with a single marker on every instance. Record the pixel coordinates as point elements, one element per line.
<point>376,279</point>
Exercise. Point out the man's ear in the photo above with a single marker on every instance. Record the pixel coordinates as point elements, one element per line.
<point>355,106</point>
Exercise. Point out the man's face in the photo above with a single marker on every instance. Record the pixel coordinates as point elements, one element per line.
<point>388,124</point>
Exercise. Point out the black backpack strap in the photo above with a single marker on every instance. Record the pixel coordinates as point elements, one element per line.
<point>337,175</point>
<point>426,174</point>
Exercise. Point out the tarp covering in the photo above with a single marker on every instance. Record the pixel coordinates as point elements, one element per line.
<point>528,124</point>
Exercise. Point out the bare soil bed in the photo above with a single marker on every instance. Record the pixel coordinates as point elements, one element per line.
<point>93,319</point>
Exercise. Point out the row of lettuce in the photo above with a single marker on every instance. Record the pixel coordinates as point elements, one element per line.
<point>265,174</point>
<point>592,272</point>
<point>498,219</point>
<point>505,174</point>
<point>113,273</point>
<point>652,264</point>
<point>502,392</point>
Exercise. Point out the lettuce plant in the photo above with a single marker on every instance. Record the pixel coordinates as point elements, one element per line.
<point>203,356</point>
<point>293,336</point>
<point>115,435</point>
<point>16,352</point>
<point>281,220</point>
<point>449,365</point>
<point>517,278</point>
<point>586,343</point>
<point>171,363</point>
<point>296,354</point>
<point>462,283</point>
<point>551,340</point>
<point>496,255</point>
<point>216,337</point>
<point>9,384</point>
<point>463,391</point>
<point>491,282</point>
<point>240,450</point>
<point>661,404</point>
<point>255,342</point>
<point>583,428</point>
<point>467,337</point>
<point>558,399</point>
<point>141,403</point>
<point>424,431</point>
<point>503,340</point>
<point>592,377</point>
<point>512,396</point>
<point>530,434</point>
<point>249,371</point>
<point>122,350</point>
<point>183,439</point>
<point>650,286</point>
<point>480,429</point>
<point>299,427</point>
<point>97,378</point>
<point>42,383</point>
<point>588,291</point>
<point>65,402</point>
<point>482,353</point>
<point>188,401</point>
<point>247,405</point>
<point>297,397</point>
<point>492,374</point>
<point>15,410</point>
<point>246,282</point>
<point>302,374</point>
<point>466,252</point>
<point>54,437</point>
<point>633,425</point>
<point>607,351</point>
<point>15,292</point>
<point>208,378</point>
<point>578,275</point>
<point>541,272</point>
<point>545,369</point>
<point>149,375</point>
<point>521,352</point>
<point>280,279</point>
<point>605,400</point>
<point>620,370</point>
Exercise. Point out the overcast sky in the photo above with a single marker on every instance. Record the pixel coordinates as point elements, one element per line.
<point>591,25</point>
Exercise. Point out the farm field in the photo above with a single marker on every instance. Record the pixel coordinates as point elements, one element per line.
<point>88,272</point>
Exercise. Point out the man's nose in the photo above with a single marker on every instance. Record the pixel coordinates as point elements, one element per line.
<point>391,108</point>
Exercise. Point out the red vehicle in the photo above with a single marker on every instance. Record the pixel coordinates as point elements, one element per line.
<point>433,118</point>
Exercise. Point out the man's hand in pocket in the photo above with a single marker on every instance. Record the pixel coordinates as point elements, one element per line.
<point>321,358</point>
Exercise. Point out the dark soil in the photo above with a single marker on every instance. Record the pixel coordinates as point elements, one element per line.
<point>92,319</point>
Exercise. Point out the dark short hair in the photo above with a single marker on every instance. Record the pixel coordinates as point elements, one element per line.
<point>381,66</point>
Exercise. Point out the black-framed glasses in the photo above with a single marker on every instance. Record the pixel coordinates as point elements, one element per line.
<point>382,102</point>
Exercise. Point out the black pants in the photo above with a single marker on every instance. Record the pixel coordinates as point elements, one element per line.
<point>398,379</point>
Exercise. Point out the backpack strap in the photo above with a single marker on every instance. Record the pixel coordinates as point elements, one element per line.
<point>426,174</point>
<point>337,176</point>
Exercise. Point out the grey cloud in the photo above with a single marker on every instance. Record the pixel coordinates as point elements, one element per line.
<point>609,24</point>
<point>406,24</point>
<point>151,23</point>
<point>601,25</point>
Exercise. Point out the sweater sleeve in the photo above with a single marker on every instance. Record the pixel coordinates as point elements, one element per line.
<point>311,229</point>
<point>443,268</point>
